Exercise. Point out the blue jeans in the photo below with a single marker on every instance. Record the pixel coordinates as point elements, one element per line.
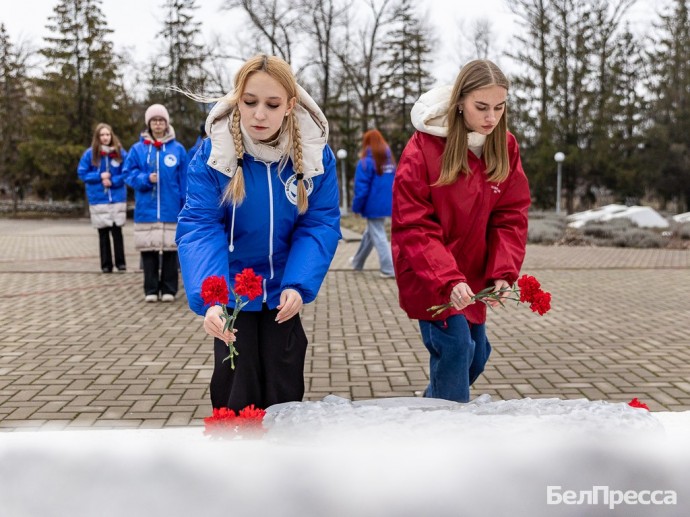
<point>458,352</point>
<point>375,237</point>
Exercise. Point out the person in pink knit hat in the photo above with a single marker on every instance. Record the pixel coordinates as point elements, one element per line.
<point>156,168</point>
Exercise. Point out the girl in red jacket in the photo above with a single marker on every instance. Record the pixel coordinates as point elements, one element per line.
<point>459,221</point>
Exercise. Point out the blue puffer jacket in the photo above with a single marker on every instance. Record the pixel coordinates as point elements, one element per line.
<point>373,193</point>
<point>90,174</point>
<point>265,232</point>
<point>160,201</point>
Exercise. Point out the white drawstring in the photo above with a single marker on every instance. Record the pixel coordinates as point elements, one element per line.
<point>232,228</point>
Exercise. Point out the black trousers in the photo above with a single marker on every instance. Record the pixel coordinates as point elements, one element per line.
<point>269,368</point>
<point>160,273</point>
<point>118,245</point>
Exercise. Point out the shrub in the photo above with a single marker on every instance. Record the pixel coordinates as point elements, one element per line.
<point>545,228</point>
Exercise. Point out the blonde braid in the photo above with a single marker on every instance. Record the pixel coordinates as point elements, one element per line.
<point>302,201</point>
<point>235,193</point>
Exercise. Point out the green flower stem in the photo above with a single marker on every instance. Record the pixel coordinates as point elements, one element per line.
<point>482,296</point>
<point>230,325</point>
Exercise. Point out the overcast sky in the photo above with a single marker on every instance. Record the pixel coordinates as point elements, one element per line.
<point>136,22</point>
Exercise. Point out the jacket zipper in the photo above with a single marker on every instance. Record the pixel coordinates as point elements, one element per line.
<point>270,227</point>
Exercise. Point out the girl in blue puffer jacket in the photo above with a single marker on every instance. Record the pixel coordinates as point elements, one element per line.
<point>373,200</point>
<point>100,168</point>
<point>156,168</point>
<point>262,194</point>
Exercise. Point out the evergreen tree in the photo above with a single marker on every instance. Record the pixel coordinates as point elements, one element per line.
<point>180,65</point>
<point>405,73</point>
<point>13,115</point>
<point>569,94</point>
<point>668,140</point>
<point>80,88</point>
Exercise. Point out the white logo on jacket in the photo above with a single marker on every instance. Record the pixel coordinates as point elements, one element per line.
<point>495,189</point>
<point>170,160</point>
<point>291,188</point>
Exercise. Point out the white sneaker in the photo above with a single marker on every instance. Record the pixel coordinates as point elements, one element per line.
<point>167,297</point>
<point>151,298</point>
<point>387,275</point>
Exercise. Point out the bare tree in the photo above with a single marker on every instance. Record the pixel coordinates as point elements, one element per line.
<point>481,37</point>
<point>274,22</point>
<point>320,20</point>
<point>360,56</point>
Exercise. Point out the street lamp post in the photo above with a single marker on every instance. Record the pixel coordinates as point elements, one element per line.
<point>559,157</point>
<point>341,155</point>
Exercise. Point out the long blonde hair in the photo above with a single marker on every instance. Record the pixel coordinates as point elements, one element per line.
<point>281,72</point>
<point>476,74</point>
<point>96,143</point>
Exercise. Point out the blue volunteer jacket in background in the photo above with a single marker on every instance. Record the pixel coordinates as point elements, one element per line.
<point>265,232</point>
<point>373,193</point>
<point>90,174</point>
<point>160,201</point>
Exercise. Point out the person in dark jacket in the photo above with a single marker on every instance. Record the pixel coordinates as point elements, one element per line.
<point>100,168</point>
<point>373,199</point>
<point>262,194</point>
<point>459,223</point>
<point>156,168</point>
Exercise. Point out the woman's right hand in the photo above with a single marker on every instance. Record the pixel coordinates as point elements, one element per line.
<point>213,324</point>
<point>153,177</point>
<point>461,296</point>
<point>105,175</point>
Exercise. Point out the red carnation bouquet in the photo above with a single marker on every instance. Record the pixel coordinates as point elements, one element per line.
<point>224,421</point>
<point>526,290</point>
<point>214,291</point>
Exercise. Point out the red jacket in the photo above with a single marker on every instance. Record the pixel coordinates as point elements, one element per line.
<point>472,231</point>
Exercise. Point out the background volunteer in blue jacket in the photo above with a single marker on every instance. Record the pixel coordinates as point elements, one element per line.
<point>100,168</point>
<point>156,169</point>
<point>262,193</point>
<point>373,200</point>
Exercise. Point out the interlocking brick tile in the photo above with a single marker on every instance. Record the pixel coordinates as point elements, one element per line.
<point>106,359</point>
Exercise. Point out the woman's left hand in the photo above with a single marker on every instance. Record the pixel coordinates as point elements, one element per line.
<point>500,284</point>
<point>290,304</point>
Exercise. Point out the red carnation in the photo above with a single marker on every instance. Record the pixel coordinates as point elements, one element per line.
<point>224,421</point>
<point>214,290</point>
<point>248,283</point>
<point>637,404</point>
<point>252,414</point>
<point>529,287</point>
<point>541,302</point>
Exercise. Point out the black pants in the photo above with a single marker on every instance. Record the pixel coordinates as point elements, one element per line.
<point>118,245</point>
<point>269,368</point>
<point>160,274</point>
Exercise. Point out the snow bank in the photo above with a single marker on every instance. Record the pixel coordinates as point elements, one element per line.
<point>389,457</point>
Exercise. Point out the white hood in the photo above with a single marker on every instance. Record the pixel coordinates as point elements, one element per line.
<point>429,113</point>
<point>313,129</point>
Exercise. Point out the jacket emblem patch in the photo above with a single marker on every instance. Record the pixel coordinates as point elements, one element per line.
<point>495,189</point>
<point>291,188</point>
<point>170,160</point>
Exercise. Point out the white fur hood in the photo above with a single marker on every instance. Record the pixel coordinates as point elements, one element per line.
<point>313,128</point>
<point>429,113</point>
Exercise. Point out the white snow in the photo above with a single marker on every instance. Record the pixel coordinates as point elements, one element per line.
<point>383,457</point>
<point>642,216</point>
<point>682,218</point>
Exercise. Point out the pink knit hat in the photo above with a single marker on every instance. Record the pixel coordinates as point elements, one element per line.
<point>156,110</point>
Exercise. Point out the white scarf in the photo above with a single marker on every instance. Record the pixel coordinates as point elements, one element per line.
<point>268,152</point>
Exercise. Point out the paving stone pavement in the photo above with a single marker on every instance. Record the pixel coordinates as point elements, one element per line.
<point>81,349</point>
